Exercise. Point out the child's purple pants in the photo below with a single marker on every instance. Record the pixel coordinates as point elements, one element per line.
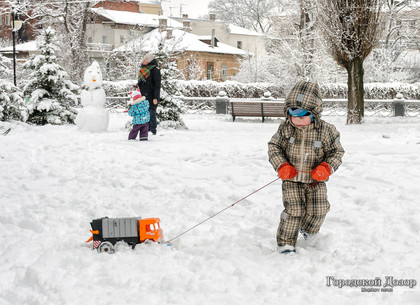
<point>144,130</point>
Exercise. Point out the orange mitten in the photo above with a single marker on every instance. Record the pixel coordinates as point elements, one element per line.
<point>286,171</point>
<point>321,172</point>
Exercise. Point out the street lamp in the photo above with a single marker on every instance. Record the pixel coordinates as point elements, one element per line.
<point>16,25</point>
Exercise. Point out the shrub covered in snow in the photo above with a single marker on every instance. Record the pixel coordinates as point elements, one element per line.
<point>256,90</point>
<point>374,90</point>
<point>233,89</point>
<point>202,88</point>
<point>119,88</point>
<point>12,106</point>
<point>51,96</point>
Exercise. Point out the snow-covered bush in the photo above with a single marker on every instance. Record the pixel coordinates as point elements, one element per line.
<point>390,90</point>
<point>12,106</point>
<point>195,88</point>
<point>233,89</point>
<point>51,95</point>
<point>119,88</point>
<point>374,90</point>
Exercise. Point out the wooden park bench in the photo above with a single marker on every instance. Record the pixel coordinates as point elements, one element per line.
<point>261,109</point>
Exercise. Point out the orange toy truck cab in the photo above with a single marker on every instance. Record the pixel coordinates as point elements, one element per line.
<point>149,229</point>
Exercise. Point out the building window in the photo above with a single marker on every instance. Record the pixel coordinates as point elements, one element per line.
<point>104,39</point>
<point>210,70</point>
<point>7,21</point>
<point>413,23</point>
<point>1,20</point>
<point>225,72</point>
<point>90,39</point>
<point>122,39</point>
<point>239,44</point>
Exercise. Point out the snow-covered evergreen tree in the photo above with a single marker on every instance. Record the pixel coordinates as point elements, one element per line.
<point>51,96</point>
<point>12,106</point>
<point>170,108</point>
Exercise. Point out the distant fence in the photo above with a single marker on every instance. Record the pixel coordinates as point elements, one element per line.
<point>399,106</point>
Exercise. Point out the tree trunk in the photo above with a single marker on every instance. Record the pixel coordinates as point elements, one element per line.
<point>75,24</point>
<point>306,37</point>
<point>356,102</point>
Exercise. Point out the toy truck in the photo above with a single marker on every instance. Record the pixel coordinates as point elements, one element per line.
<point>106,232</point>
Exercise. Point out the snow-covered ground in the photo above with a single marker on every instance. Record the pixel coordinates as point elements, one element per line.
<point>55,179</point>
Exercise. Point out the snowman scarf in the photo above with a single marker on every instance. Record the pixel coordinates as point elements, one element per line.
<point>145,72</point>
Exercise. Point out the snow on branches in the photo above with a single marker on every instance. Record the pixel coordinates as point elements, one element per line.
<point>12,106</point>
<point>50,94</point>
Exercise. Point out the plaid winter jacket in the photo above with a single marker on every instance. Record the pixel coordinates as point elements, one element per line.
<point>140,112</point>
<point>305,147</point>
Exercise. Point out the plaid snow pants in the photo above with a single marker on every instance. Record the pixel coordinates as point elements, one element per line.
<point>305,206</point>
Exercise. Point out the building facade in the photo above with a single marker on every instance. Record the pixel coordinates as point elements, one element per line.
<point>114,26</point>
<point>252,42</point>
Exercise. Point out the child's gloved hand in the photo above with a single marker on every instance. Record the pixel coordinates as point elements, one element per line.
<point>286,171</point>
<point>321,172</point>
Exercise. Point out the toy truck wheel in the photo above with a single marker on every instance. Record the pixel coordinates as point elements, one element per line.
<point>106,247</point>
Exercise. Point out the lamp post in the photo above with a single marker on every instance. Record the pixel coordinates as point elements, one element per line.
<point>16,25</point>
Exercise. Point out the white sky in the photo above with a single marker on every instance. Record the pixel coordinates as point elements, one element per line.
<point>194,8</point>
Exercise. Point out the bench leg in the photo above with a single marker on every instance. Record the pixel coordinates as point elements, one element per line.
<point>262,112</point>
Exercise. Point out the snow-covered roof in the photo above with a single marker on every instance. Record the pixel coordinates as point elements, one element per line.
<point>149,1</point>
<point>181,40</point>
<point>23,47</point>
<point>204,37</point>
<point>231,28</point>
<point>237,30</point>
<point>121,17</point>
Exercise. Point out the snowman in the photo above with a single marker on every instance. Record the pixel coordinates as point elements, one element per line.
<point>93,116</point>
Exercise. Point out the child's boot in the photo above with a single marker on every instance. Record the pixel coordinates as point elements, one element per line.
<point>286,249</point>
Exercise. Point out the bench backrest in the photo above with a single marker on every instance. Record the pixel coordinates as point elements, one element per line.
<point>266,109</point>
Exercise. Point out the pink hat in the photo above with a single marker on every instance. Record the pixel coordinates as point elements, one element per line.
<point>135,96</point>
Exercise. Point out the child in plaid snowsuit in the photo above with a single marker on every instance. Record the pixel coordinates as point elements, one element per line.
<point>304,151</point>
<point>139,110</point>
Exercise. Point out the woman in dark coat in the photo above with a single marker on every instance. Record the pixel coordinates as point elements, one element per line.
<point>149,84</point>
